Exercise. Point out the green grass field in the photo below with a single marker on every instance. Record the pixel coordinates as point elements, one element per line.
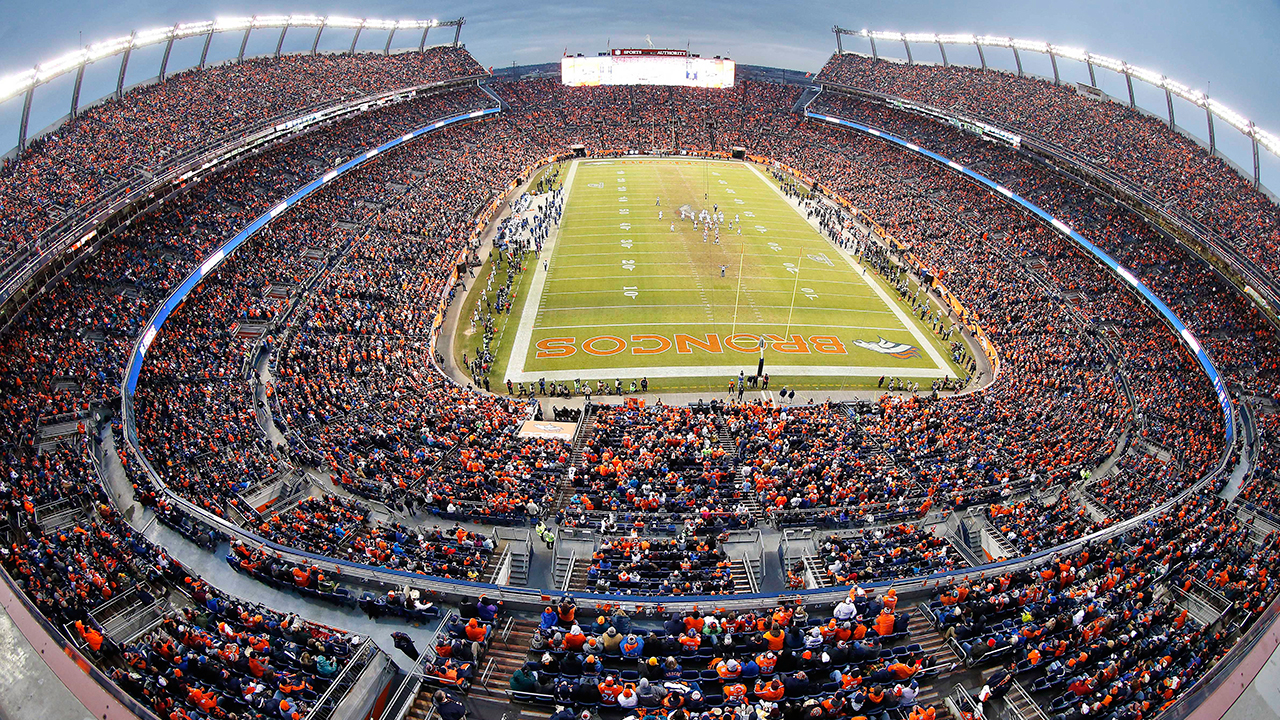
<point>628,294</point>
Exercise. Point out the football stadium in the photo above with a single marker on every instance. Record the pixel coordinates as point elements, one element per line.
<point>348,377</point>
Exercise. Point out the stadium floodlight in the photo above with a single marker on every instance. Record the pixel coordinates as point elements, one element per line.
<point>1039,46</point>
<point>224,24</point>
<point>266,21</point>
<point>306,20</point>
<point>107,48</point>
<point>190,29</point>
<point>921,37</point>
<point>59,65</point>
<point>884,35</point>
<point>956,39</point>
<point>339,21</point>
<point>1195,97</point>
<point>154,35</point>
<point>1266,140</point>
<point>1070,53</point>
<point>995,41</point>
<point>380,24</point>
<point>1231,117</point>
<point>1108,63</point>
<point>1147,76</point>
<point>17,83</point>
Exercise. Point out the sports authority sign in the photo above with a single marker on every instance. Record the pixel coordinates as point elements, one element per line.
<point>631,52</point>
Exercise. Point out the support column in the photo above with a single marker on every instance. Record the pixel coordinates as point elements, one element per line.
<point>1128,81</point>
<point>280,42</point>
<point>1257,173</point>
<point>386,50</point>
<point>164,60</point>
<point>457,32</point>
<point>316,42</point>
<point>907,45</point>
<point>422,44</point>
<point>1053,60</point>
<point>124,65</point>
<point>1213,142</point>
<point>1018,60</point>
<point>1093,80</point>
<point>943,50</point>
<point>874,55</point>
<point>26,115</point>
<point>354,40</point>
<point>981,55</point>
<point>75,91</point>
<point>1168,101</point>
<point>204,54</point>
<point>244,42</point>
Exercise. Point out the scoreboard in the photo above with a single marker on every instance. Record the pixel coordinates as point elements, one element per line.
<point>647,67</point>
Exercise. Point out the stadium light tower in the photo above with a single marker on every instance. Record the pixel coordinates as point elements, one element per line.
<point>24,83</point>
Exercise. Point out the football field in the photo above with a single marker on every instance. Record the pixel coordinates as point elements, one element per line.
<point>626,293</point>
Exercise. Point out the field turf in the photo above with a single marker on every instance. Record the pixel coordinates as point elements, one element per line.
<point>626,294</point>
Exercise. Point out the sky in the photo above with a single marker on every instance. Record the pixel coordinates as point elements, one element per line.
<point>1230,48</point>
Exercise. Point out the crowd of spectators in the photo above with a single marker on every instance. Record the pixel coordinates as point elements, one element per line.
<point>889,553</point>
<point>684,565</point>
<point>106,145</point>
<point>1153,158</point>
<point>781,662</point>
<point>1088,634</point>
<point>655,460</point>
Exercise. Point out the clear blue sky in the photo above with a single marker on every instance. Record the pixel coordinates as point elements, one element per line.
<point>1230,47</point>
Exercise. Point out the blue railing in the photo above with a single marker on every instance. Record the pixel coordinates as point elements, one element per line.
<point>211,263</point>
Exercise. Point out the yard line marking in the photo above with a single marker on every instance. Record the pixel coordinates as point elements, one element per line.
<point>529,315</point>
<point>925,343</point>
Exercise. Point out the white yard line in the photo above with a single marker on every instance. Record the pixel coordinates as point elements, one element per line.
<point>748,361</point>
<point>533,302</point>
<point>925,343</point>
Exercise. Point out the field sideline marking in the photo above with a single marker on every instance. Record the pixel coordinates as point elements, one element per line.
<point>654,277</point>
<point>925,343</point>
<point>579,308</point>
<point>533,302</point>
<point>701,325</point>
<point>715,370</point>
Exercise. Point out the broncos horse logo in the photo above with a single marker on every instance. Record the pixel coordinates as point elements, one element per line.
<point>902,351</point>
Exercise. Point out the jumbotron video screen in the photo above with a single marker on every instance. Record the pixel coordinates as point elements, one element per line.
<point>647,67</point>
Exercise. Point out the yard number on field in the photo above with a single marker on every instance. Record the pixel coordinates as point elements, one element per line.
<point>628,264</point>
<point>630,291</point>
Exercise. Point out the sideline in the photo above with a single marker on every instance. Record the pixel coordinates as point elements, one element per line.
<point>533,299</point>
